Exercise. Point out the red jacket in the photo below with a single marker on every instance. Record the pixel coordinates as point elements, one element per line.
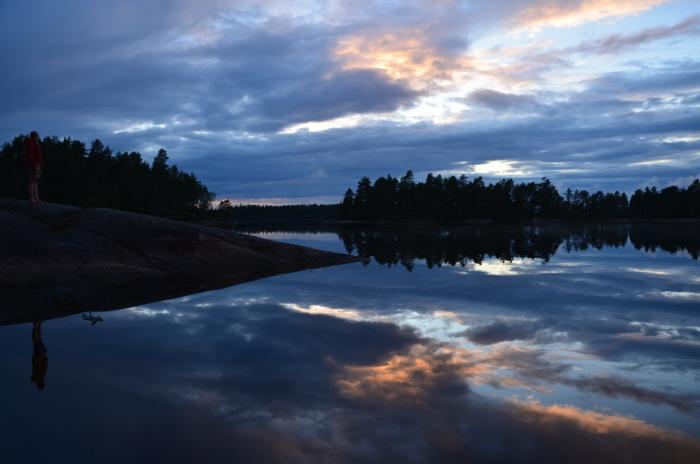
<point>33,150</point>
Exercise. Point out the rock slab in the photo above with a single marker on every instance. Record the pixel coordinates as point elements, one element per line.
<point>57,260</point>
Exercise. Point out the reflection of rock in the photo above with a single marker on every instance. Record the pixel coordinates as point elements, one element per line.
<point>57,260</point>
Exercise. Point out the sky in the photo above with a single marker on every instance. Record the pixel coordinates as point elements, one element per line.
<point>279,102</point>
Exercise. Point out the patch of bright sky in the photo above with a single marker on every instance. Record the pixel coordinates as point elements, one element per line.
<point>337,123</point>
<point>440,109</point>
<point>654,162</point>
<point>495,170</point>
<point>304,10</point>
<point>140,127</point>
<point>663,15</point>
<point>588,66</point>
<point>276,201</point>
<point>675,159</point>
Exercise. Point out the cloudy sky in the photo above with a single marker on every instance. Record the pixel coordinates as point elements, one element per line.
<point>278,101</point>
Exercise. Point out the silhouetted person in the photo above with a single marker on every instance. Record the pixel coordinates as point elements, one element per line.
<point>35,161</point>
<point>40,361</point>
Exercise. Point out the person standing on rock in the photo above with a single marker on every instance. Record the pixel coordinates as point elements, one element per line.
<point>34,163</point>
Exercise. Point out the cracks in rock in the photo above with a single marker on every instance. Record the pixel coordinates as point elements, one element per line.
<point>149,259</point>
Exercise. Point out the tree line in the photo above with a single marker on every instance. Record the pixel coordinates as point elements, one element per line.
<point>74,174</point>
<point>458,198</point>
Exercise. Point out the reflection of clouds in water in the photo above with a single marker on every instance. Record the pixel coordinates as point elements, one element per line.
<point>495,267</point>
<point>502,268</point>
<point>649,271</point>
<point>337,389</point>
<point>507,365</point>
<point>502,362</point>
<point>598,423</point>
<point>179,317</point>
<point>426,399</point>
<point>506,330</point>
<point>324,310</point>
<point>147,312</point>
<point>685,296</point>
<point>279,384</point>
<point>368,364</point>
<point>686,274</point>
<point>611,337</point>
<point>435,379</point>
<point>512,365</point>
<point>669,332</point>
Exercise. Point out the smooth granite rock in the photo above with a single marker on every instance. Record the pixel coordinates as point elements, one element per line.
<point>57,260</point>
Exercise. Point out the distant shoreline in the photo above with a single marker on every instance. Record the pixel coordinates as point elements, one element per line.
<point>400,224</point>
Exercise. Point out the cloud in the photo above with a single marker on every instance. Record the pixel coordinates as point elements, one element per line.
<point>504,331</point>
<point>618,42</point>
<point>615,387</point>
<point>502,101</point>
<point>570,13</point>
<point>429,379</point>
<point>597,423</point>
<point>404,56</point>
<point>674,79</point>
<point>343,93</point>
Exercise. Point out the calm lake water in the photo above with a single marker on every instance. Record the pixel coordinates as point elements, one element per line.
<point>490,344</point>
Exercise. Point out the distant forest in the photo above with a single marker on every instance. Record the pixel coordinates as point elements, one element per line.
<point>283,213</point>
<point>76,175</point>
<point>460,198</point>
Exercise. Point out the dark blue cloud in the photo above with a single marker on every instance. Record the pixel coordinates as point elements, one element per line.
<point>501,101</point>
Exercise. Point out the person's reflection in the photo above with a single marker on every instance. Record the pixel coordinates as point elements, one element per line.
<point>40,361</point>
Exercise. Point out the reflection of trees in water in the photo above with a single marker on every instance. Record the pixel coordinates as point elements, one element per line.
<point>474,244</point>
<point>670,238</point>
<point>461,245</point>
<point>92,319</point>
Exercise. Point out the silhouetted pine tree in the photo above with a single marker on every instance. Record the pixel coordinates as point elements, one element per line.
<point>96,177</point>
<point>451,198</point>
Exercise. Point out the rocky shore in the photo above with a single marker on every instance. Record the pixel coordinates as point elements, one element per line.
<point>57,260</point>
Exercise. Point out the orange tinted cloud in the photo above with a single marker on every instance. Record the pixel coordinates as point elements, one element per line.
<point>406,377</point>
<point>568,13</point>
<point>400,378</point>
<point>404,56</point>
<point>421,376</point>
<point>597,422</point>
<point>409,376</point>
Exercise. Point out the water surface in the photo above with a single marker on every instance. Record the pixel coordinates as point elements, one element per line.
<point>481,344</point>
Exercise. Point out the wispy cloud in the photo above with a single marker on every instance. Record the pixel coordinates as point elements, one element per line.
<point>570,13</point>
<point>620,42</point>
